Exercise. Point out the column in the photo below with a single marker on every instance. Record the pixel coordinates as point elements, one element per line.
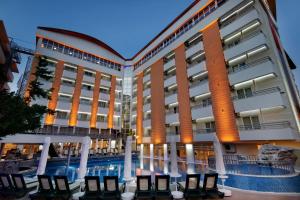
<point>84,157</point>
<point>157,103</point>
<point>183,96</point>
<point>95,103</point>
<point>166,160</point>
<point>151,157</point>
<point>111,108</point>
<point>142,156</point>
<point>219,85</point>
<point>139,109</point>
<point>44,157</point>
<point>190,160</point>
<point>52,103</point>
<point>76,97</point>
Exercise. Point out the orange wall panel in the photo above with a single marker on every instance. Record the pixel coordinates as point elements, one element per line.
<point>139,109</point>
<point>185,117</point>
<point>111,108</point>
<point>76,97</point>
<point>219,85</point>
<point>52,103</point>
<point>158,131</point>
<point>94,108</point>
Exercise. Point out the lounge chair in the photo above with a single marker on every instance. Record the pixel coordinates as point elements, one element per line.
<point>21,189</point>
<point>111,188</point>
<point>92,188</point>
<point>192,187</point>
<point>7,188</point>
<point>144,188</point>
<point>62,188</point>
<point>210,187</point>
<point>162,187</point>
<point>46,190</point>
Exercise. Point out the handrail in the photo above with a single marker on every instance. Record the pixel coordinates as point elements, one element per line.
<point>271,125</point>
<point>251,64</point>
<point>259,93</point>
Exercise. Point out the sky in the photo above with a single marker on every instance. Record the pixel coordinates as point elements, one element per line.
<point>125,25</point>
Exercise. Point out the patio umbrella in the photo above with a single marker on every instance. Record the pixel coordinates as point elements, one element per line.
<point>220,167</point>
<point>127,162</point>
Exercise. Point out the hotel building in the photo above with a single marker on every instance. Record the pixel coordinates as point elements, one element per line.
<point>218,68</point>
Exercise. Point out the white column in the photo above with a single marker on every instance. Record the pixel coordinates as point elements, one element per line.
<point>166,161</point>
<point>61,148</point>
<point>190,161</point>
<point>109,145</point>
<point>84,157</point>
<point>44,156</point>
<point>127,161</point>
<point>174,164</point>
<point>151,157</point>
<point>142,156</point>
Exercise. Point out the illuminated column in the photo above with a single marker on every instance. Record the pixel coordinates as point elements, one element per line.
<point>219,85</point>
<point>95,103</point>
<point>190,161</point>
<point>76,97</point>
<point>44,157</point>
<point>151,157</point>
<point>139,109</point>
<point>84,157</point>
<point>111,109</point>
<point>52,103</point>
<point>142,156</point>
<point>158,121</point>
<point>166,160</point>
<point>185,116</point>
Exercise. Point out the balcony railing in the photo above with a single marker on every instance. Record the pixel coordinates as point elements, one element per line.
<point>258,93</point>
<point>272,125</point>
<point>197,83</point>
<point>204,130</point>
<point>248,65</point>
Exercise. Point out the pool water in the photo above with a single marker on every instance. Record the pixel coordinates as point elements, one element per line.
<point>115,166</point>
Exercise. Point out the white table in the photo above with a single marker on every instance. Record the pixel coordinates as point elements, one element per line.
<point>176,175</point>
<point>77,195</point>
<point>127,196</point>
<point>177,194</point>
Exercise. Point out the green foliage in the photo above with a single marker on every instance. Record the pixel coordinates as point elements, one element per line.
<point>16,113</point>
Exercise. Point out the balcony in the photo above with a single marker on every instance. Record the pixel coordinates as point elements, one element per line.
<point>202,112</point>
<point>252,71</point>
<point>87,93</point>
<point>103,111</point>
<point>103,96</point>
<point>203,137</point>
<point>268,98</point>
<point>66,89</point>
<point>83,124</point>
<point>85,107</point>
<point>170,81</point>
<point>239,22</point>
<point>89,79</point>
<point>172,98</point>
<point>251,42</point>
<point>146,92</point>
<point>63,105</point>
<point>199,88</point>
<point>69,74</point>
<point>147,107</point>
<point>267,131</point>
<point>194,49</point>
<point>169,64</point>
<point>196,68</point>
<point>172,118</point>
<point>104,82</point>
<point>102,125</point>
<point>147,123</point>
<point>146,78</point>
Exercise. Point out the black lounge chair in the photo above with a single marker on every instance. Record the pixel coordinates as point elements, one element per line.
<point>7,188</point>
<point>144,188</point>
<point>162,187</point>
<point>46,190</point>
<point>210,187</point>
<point>62,188</point>
<point>111,188</point>
<point>21,189</point>
<point>192,187</point>
<point>92,188</point>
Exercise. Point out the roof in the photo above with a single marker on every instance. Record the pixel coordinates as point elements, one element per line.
<point>84,37</point>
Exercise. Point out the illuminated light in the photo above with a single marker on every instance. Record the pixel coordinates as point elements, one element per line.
<point>250,82</point>
<point>174,123</point>
<point>64,94</point>
<point>173,104</point>
<point>202,95</point>
<point>117,116</point>
<point>243,84</point>
<point>107,76</point>
<point>203,119</point>
<point>104,101</point>
<point>148,111</point>
<point>87,98</point>
<point>54,48</point>
<point>88,84</point>
<point>237,59</point>
<point>170,55</point>
<point>262,78</point>
<point>148,97</point>
<point>98,62</point>
<point>81,112</point>
<point>66,79</point>
<point>70,53</point>
<point>233,37</point>
<point>101,114</point>
<point>199,75</point>
<point>62,110</point>
<point>134,102</point>
<point>236,11</point>
<point>197,56</point>
<point>93,72</point>
<point>195,38</point>
<point>172,86</point>
<point>256,51</point>
<point>249,112</point>
<point>256,24</point>
<point>171,70</point>
<point>272,108</point>
<point>133,116</point>
<point>151,157</point>
<point>40,147</point>
<point>147,70</point>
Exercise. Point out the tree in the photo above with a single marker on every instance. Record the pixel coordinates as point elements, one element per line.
<point>16,113</point>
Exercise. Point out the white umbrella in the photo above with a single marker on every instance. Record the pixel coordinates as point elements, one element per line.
<point>220,167</point>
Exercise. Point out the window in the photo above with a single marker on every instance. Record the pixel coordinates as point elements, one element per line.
<point>210,127</point>
<point>85,101</point>
<point>70,69</point>
<point>67,82</point>
<point>83,117</point>
<point>244,93</point>
<point>87,73</point>
<point>104,90</point>
<point>61,115</point>
<point>101,118</point>
<point>206,102</point>
<point>64,98</point>
<point>251,122</point>
<point>87,87</point>
<point>103,104</point>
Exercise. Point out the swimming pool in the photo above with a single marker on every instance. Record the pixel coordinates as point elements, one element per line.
<point>115,166</point>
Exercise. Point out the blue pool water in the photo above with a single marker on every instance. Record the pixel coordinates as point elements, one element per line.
<point>115,166</point>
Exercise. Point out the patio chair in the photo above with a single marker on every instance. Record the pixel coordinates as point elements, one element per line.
<point>63,190</point>
<point>210,187</point>
<point>7,188</point>
<point>192,187</point>
<point>162,187</point>
<point>21,189</point>
<point>92,188</point>
<point>111,188</point>
<point>144,188</point>
<point>46,190</point>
